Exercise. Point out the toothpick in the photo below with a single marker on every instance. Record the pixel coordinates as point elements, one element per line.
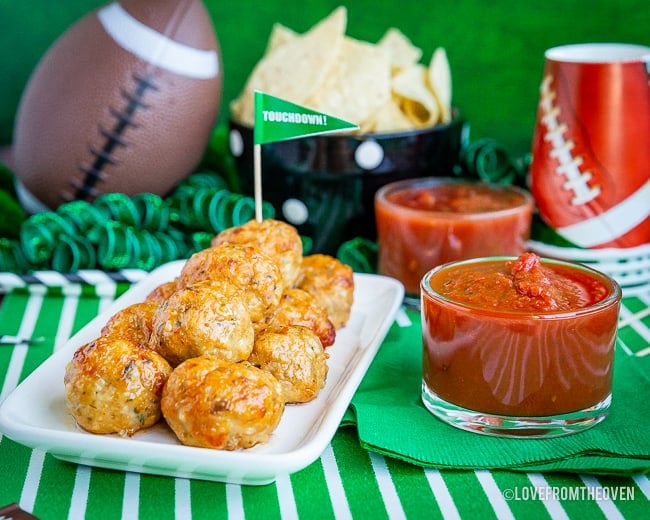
<point>257,172</point>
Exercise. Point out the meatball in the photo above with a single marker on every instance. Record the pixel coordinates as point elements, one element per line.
<point>133,322</point>
<point>207,317</point>
<point>275,238</point>
<point>331,282</point>
<point>162,292</point>
<point>295,356</point>
<point>245,266</point>
<point>298,307</point>
<point>114,385</point>
<point>212,403</point>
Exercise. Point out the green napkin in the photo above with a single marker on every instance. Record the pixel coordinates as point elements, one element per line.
<point>391,420</point>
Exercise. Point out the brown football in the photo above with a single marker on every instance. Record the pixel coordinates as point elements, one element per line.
<point>124,101</point>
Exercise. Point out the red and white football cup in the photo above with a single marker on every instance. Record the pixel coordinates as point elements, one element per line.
<point>590,174</point>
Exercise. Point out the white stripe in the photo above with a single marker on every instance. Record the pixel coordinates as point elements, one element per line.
<point>134,275</point>
<point>52,278</point>
<point>552,505</point>
<point>131,497</point>
<point>19,352</point>
<point>442,495</point>
<point>643,483</point>
<point>638,325</point>
<point>104,303</point>
<point>32,480</point>
<point>286,499</point>
<point>386,487</point>
<point>182,499</point>
<point>592,255</point>
<point>66,322</point>
<point>9,281</point>
<point>608,507</point>
<point>335,485</point>
<point>494,495</point>
<point>156,48</point>
<point>631,318</point>
<point>12,377</point>
<point>79,498</point>
<point>104,284</point>
<point>611,224</point>
<point>28,201</point>
<point>402,319</point>
<point>234,501</point>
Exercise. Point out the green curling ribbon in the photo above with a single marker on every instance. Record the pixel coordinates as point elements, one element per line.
<point>12,258</point>
<point>233,211</point>
<point>203,180</point>
<point>153,213</point>
<point>73,253</point>
<point>211,209</point>
<point>178,205</point>
<point>150,251</point>
<point>201,240</point>
<point>94,233</point>
<point>360,254</point>
<point>490,162</point>
<point>216,209</point>
<point>81,214</point>
<point>117,231</point>
<point>307,244</point>
<point>113,248</point>
<point>39,235</point>
<point>169,247</point>
<point>200,207</point>
<point>119,207</point>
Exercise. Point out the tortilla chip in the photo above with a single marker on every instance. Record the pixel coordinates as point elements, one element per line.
<point>360,86</point>
<point>440,82</point>
<point>279,36</point>
<point>388,118</point>
<point>296,69</point>
<point>416,100</point>
<point>381,87</point>
<point>402,53</point>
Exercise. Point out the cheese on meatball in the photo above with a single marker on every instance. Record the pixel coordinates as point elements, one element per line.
<point>212,403</point>
<point>114,385</point>
<point>296,357</point>
<point>275,238</point>
<point>207,317</point>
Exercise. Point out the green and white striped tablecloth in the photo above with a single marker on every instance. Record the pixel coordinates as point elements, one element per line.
<point>344,482</point>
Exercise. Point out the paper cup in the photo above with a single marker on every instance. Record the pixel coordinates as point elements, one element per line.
<point>590,173</point>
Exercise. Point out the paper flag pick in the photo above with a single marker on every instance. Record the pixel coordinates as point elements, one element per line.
<point>277,119</point>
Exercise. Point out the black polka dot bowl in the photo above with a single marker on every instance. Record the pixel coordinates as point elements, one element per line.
<point>325,184</point>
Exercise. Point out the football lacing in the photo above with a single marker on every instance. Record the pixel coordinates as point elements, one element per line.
<point>113,138</point>
<point>562,149</point>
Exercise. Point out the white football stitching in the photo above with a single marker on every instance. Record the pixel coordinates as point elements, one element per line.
<point>569,167</point>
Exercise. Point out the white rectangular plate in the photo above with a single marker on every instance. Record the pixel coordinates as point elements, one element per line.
<point>35,414</point>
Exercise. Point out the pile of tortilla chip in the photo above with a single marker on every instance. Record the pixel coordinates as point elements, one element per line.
<point>381,87</point>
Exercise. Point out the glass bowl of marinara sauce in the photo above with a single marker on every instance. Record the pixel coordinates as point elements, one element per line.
<point>425,222</point>
<point>518,346</point>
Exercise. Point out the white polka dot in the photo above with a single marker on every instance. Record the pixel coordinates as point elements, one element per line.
<point>295,211</point>
<point>236,143</point>
<point>369,155</point>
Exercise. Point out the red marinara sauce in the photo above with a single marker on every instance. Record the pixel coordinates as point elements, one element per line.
<point>422,223</point>
<point>519,337</point>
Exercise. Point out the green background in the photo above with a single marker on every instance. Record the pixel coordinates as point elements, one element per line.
<point>495,48</point>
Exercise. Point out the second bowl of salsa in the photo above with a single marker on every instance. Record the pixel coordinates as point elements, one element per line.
<point>425,222</point>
